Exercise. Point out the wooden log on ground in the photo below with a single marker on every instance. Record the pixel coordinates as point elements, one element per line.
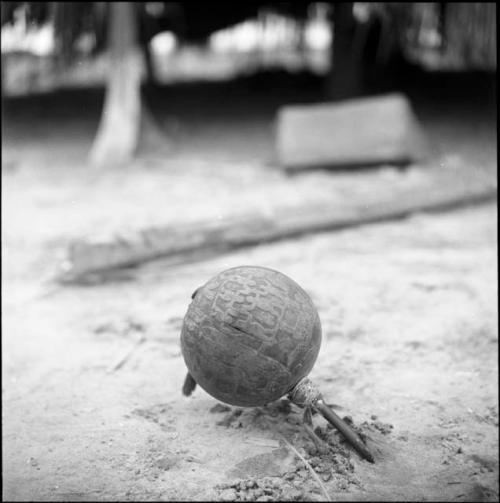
<point>351,133</point>
<point>430,190</point>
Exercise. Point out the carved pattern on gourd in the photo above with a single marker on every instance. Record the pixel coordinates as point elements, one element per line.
<point>249,335</point>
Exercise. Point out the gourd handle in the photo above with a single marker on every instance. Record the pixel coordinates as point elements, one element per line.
<point>350,435</point>
<point>306,394</point>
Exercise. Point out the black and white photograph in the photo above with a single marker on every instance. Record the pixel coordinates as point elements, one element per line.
<point>249,251</point>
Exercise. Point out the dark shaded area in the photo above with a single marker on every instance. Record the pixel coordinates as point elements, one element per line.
<point>270,89</point>
<point>244,109</point>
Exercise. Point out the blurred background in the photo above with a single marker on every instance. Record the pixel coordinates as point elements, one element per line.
<point>59,57</point>
<point>134,131</point>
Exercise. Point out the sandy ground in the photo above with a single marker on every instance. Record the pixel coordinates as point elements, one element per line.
<point>92,407</point>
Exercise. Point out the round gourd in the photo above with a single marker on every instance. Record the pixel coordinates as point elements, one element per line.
<point>250,335</point>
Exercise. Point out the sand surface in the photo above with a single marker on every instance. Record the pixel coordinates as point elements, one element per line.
<point>92,375</point>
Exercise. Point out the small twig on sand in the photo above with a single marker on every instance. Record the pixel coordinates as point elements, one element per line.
<point>304,460</point>
<point>121,362</point>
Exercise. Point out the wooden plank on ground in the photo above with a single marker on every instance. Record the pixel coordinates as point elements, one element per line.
<point>352,133</point>
<point>433,190</point>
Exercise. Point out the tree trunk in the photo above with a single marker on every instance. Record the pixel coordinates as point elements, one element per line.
<point>147,27</point>
<point>345,79</point>
<point>118,134</point>
<point>150,66</point>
